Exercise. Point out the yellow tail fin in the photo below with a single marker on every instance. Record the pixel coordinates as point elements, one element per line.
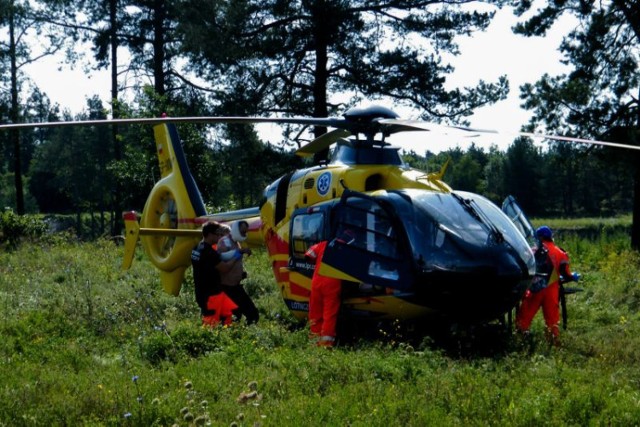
<point>172,215</point>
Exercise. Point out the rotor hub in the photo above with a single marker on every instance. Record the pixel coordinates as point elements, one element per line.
<point>365,120</point>
<point>369,114</point>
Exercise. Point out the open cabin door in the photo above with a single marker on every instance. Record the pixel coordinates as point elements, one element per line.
<point>308,227</point>
<point>367,244</point>
<point>511,208</point>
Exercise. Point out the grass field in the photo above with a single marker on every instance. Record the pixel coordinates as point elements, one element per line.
<point>83,343</point>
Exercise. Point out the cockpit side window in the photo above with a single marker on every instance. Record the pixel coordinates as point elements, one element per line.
<point>306,230</point>
<point>369,245</point>
<point>372,228</point>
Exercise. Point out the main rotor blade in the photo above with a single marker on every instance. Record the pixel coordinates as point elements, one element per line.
<point>322,142</point>
<point>406,125</point>
<point>350,126</point>
<point>579,140</point>
<point>328,122</point>
<point>392,126</point>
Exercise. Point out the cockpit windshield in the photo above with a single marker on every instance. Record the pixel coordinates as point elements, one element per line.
<point>447,229</point>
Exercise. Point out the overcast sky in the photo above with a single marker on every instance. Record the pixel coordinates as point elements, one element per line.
<point>484,56</point>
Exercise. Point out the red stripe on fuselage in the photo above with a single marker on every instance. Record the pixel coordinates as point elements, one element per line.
<point>299,290</point>
<point>275,244</point>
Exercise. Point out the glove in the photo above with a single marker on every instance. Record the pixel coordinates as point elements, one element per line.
<point>237,255</point>
<point>576,277</point>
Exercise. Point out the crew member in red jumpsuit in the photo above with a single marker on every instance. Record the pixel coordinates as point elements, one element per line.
<point>546,292</point>
<point>325,299</point>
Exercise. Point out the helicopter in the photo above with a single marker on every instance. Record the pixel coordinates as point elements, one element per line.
<point>420,248</point>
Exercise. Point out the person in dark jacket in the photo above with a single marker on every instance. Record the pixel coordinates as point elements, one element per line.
<point>215,306</point>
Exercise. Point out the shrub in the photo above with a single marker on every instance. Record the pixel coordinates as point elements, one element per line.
<point>13,228</point>
<point>158,347</point>
<point>186,341</point>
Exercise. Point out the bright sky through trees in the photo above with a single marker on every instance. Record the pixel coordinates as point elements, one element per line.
<point>484,56</point>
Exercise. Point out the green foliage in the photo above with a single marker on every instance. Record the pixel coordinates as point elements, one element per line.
<point>291,57</point>
<point>598,94</point>
<point>8,191</point>
<point>14,228</point>
<point>84,343</point>
<point>558,181</point>
<point>597,97</point>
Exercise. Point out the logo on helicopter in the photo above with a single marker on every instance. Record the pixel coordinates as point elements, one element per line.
<point>324,183</point>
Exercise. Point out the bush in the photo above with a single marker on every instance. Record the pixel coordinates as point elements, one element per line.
<point>185,342</point>
<point>14,228</point>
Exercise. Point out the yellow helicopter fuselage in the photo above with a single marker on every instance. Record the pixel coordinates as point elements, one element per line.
<point>422,248</point>
<point>303,192</point>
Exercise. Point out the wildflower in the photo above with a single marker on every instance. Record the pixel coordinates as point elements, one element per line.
<point>188,385</point>
<point>188,417</point>
<point>127,415</point>
<point>256,402</point>
<point>204,403</point>
<point>245,397</point>
<point>155,401</point>
<point>253,385</point>
<point>201,420</point>
<point>134,379</point>
<point>240,416</point>
<point>184,410</point>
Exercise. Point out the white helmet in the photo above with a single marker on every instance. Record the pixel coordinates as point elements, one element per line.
<point>235,232</point>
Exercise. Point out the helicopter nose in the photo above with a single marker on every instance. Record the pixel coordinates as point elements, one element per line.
<point>482,290</point>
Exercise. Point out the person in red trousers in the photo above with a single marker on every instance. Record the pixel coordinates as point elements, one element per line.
<point>325,299</point>
<point>545,290</point>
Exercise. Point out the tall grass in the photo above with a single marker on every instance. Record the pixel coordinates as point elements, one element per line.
<point>83,343</point>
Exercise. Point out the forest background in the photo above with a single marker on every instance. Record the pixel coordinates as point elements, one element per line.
<point>310,58</point>
<point>127,354</point>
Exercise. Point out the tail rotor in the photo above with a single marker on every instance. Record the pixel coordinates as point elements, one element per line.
<point>170,220</point>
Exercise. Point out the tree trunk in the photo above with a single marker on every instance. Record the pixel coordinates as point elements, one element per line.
<point>78,223</point>
<point>116,225</point>
<point>633,18</point>
<point>159,15</point>
<point>15,115</point>
<point>320,82</point>
<point>635,227</point>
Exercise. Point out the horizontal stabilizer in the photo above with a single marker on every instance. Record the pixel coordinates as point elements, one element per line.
<point>132,233</point>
